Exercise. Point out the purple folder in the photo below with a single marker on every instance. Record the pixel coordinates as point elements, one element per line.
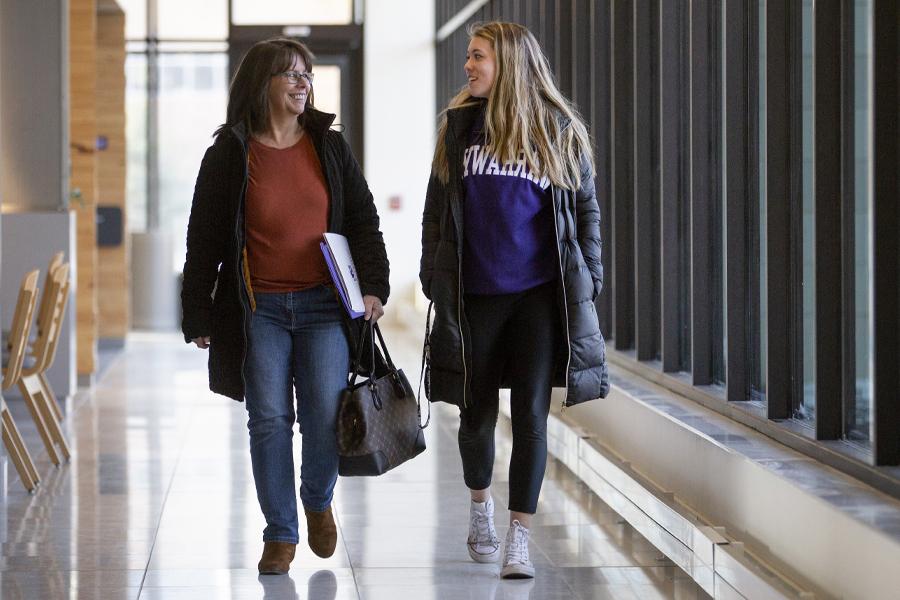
<point>339,271</point>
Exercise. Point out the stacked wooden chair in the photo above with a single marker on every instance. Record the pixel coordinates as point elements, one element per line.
<point>49,325</point>
<point>28,363</point>
<point>17,344</point>
<point>33,383</point>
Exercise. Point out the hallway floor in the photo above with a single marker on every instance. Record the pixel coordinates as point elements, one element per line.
<point>158,503</point>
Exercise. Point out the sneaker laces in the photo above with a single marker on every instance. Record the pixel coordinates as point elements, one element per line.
<point>484,528</point>
<point>517,545</point>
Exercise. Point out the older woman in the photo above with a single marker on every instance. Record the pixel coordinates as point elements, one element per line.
<point>257,291</point>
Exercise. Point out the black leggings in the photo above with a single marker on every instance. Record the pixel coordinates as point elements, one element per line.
<point>516,335</point>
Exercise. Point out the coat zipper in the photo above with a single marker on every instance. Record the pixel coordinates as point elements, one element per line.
<point>462,339</point>
<point>562,279</point>
<point>459,288</point>
<point>240,271</point>
<point>459,311</point>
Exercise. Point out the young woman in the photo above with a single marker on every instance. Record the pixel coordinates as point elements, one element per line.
<point>511,260</point>
<point>257,291</point>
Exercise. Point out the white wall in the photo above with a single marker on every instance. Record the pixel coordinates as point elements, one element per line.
<point>399,130</point>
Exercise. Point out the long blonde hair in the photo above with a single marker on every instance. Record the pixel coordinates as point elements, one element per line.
<point>523,110</point>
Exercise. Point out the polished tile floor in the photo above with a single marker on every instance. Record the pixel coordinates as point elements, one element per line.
<point>158,503</point>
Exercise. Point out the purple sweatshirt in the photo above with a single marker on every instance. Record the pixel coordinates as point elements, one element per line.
<point>509,241</point>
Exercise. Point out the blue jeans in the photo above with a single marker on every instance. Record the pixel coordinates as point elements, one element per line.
<point>297,343</point>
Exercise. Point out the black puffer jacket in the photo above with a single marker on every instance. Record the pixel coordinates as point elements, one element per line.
<point>577,220</point>
<point>216,240</point>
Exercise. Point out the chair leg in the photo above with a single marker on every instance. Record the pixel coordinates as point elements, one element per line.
<point>50,396</point>
<point>38,418</point>
<point>33,383</point>
<point>12,439</point>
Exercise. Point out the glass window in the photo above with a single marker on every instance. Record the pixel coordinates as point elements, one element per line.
<point>806,407</point>
<point>135,18</point>
<point>193,97</point>
<point>858,413</point>
<point>292,12</point>
<point>136,140</point>
<point>328,89</point>
<point>192,19</point>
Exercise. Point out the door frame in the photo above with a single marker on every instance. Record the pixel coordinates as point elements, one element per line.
<point>339,45</point>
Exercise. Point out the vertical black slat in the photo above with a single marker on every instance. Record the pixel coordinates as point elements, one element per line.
<point>582,57</point>
<point>779,94</point>
<point>484,15</point>
<point>848,220</point>
<point>646,216</point>
<point>885,225</point>
<point>563,46</point>
<point>716,205</point>
<point>702,188</point>
<point>735,155</point>
<point>601,120</point>
<point>827,172</point>
<point>622,198</point>
<point>753,227</point>
<point>686,287</point>
<point>533,16</point>
<point>753,221</point>
<point>671,145</point>
<point>550,32</point>
<point>538,9</point>
<point>795,175</point>
<point>538,14</point>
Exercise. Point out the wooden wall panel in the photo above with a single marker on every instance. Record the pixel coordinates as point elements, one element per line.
<point>113,277</point>
<point>83,134</point>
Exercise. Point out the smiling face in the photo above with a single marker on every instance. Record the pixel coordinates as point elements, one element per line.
<point>481,67</point>
<point>286,98</point>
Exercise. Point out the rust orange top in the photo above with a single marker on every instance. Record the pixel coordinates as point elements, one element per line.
<point>286,214</point>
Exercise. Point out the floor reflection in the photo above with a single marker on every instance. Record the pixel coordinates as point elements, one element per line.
<point>158,503</point>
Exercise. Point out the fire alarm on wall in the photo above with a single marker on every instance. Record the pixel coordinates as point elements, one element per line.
<point>394,202</point>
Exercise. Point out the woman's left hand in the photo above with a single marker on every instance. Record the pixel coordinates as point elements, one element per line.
<point>374,309</point>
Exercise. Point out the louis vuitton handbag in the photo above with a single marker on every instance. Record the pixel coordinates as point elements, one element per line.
<point>379,419</point>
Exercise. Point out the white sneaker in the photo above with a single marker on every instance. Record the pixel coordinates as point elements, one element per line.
<point>483,543</point>
<point>516,564</point>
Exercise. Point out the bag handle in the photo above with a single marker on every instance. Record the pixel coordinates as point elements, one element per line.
<point>426,353</point>
<point>374,330</point>
<point>359,350</point>
<point>384,350</point>
<point>368,326</point>
<point>394,373</point>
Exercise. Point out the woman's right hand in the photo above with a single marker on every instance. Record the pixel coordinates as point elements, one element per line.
<point>202,342</point>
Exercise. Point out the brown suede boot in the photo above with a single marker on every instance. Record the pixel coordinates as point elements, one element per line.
<point>321,532</point>
<point>276,558</point>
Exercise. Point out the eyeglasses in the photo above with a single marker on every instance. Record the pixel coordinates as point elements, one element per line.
<point>296,76</point>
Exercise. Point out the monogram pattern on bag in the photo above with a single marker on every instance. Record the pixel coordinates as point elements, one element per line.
<point>393,431</point>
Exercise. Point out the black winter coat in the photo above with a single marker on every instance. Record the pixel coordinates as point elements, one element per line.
<point>577,221</point>
<point>214,296</point>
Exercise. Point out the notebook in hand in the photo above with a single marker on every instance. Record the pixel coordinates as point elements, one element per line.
<point>343,272</point>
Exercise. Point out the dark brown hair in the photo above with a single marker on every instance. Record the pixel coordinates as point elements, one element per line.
<point>248,99</point>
